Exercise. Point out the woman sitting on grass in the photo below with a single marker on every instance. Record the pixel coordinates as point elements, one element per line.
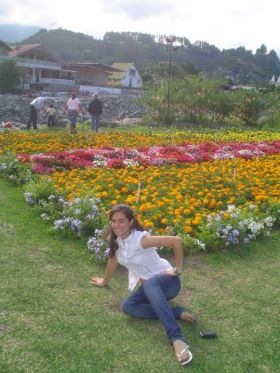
<point>135,249</point>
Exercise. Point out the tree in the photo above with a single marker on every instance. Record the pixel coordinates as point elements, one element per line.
<point>9,76</point>
<point>262,50</point>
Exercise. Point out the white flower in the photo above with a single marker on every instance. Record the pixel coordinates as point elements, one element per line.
<point>130,163</point>
<point>45,217</point>
<point>269,221</point>
<point>200,244</point>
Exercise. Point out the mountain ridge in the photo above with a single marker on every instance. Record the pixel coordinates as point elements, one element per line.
<point>237,64</point>
<point>14,33</point>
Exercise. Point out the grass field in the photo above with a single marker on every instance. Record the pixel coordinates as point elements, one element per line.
<point>53,320</point>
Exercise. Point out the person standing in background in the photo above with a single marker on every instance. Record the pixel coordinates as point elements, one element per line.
<point>95,109</point>
<point>36,105</point>
<point>51,112</point>
<point>74,108</point>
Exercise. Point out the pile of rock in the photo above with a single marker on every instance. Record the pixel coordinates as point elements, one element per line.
<point>122,109</point>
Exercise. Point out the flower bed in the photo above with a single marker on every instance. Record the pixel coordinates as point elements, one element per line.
<point>186,188</point>
<point>149,156</point>
<point>29,142</point>
<point>181,194</point>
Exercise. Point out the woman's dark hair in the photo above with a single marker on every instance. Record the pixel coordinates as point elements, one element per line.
<point>129,214</point>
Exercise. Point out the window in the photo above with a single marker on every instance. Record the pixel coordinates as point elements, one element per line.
<point>132,72</point>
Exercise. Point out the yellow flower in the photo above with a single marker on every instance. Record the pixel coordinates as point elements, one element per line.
<point>187,229</point>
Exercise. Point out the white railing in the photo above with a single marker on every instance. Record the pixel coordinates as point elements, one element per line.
<point>57,81</point>
<point>95,89</point>
<point>33,63</point>
<point>37,63</point>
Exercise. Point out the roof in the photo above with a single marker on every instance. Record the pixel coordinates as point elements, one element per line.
<point>122,67</point>
<point>89,66</point>
<point>95,66</point>
<point>5,45</point>
<point>18,50</point>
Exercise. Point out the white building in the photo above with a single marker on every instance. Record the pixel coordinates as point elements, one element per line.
<point>128,77</point>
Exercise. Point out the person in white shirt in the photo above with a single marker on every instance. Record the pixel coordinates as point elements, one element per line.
<point>74,108</point>
<point>36,105</point>
<point>134,248</point>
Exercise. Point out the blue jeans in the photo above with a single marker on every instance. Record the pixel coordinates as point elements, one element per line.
<point>150,301</point>
<point>72,114</point>
<point>95,122</point>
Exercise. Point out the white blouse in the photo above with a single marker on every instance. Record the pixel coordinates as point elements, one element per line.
<point>141,263</point>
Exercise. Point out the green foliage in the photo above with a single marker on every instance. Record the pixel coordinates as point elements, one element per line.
<point>234,227</point>
<point>194,99</point>
<point>9,76</point>
<point>39,190</point>
<point>271,115</point>
<point>273,209</point>
<point>164,69</point>
<point>157,101</point>
<point>67,45</point>
<point>192,245</point>
<point>202,97</point>
<point>198,99</point>
<point>83,216</point>
<point>15,171</point>
<point>248,106</point>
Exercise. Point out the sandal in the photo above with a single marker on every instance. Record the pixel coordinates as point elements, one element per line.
<point>188,317</point>
<point>188,359</point>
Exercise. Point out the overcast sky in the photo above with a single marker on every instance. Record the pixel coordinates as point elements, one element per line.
<point>224,23</point>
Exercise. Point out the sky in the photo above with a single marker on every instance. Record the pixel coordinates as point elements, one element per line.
<point>223,23</point>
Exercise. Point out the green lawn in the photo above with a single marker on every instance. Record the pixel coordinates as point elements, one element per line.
<point>53,320</point>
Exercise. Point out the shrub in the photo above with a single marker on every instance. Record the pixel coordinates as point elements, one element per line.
<point>9,76</point>
<point>81,216</point>
<point>234,227</point>
<point>40,191</point>
<point>98,246</point>
<point>15,171</point>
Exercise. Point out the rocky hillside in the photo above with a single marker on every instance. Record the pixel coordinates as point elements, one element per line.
<point>116,109</point>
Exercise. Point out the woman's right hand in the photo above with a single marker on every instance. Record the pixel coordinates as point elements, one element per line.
<point>98,281</point>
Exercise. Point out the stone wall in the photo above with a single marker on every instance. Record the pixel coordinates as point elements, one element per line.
<point>15,109</point>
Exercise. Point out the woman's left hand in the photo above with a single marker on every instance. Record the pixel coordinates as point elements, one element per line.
<point>98,281</point>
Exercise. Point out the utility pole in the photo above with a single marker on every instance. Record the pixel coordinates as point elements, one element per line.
<point>169,44</point>
<point>170,49</point>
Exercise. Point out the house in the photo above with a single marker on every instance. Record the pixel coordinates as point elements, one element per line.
<point>40,67</point>
<point>272,80</point>
<point>91,74</point>
<point>129,76</point>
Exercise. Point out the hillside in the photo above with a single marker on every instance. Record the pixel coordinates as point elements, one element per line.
<point>240,65</point>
